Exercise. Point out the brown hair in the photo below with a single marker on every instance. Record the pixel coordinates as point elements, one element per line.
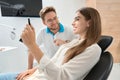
<point>46,10</point>
<point>92,35</point>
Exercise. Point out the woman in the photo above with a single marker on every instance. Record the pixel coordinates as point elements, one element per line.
<point>73,60</point>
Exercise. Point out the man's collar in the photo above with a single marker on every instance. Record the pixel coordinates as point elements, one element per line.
<point>60,30</point>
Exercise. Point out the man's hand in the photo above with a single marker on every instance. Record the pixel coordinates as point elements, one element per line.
<point>59,42</point>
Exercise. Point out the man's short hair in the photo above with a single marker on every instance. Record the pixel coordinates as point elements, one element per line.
<point>46,10</point>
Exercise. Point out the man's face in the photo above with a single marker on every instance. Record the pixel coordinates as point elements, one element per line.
<point>51,20</point>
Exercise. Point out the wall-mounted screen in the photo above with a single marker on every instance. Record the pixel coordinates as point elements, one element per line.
<point>21,8</point>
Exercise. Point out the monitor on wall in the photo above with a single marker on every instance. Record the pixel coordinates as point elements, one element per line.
<point>21,8</point>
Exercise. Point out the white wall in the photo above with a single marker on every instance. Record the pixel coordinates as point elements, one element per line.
<point>16,59</point>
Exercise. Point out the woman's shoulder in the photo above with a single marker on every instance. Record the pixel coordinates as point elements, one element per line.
<point>94,48</point>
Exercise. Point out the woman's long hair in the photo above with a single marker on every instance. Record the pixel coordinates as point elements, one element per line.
<point>92,35</point>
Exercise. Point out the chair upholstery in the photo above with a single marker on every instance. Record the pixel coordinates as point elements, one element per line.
<point>105,42</point>
<point>102,69</point>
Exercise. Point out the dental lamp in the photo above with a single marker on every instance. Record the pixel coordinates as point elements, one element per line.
<point>12,31</point>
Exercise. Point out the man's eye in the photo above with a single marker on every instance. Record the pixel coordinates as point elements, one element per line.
<point>76,19</point>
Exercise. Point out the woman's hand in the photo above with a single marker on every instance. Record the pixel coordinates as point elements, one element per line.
<point>25,74</point>
<point>28,36</point>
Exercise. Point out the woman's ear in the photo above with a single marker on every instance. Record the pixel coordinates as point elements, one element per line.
<point>88,23</point>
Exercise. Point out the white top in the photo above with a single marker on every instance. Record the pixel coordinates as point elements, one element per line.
<point>45,40</point>
<point>76,69</point>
